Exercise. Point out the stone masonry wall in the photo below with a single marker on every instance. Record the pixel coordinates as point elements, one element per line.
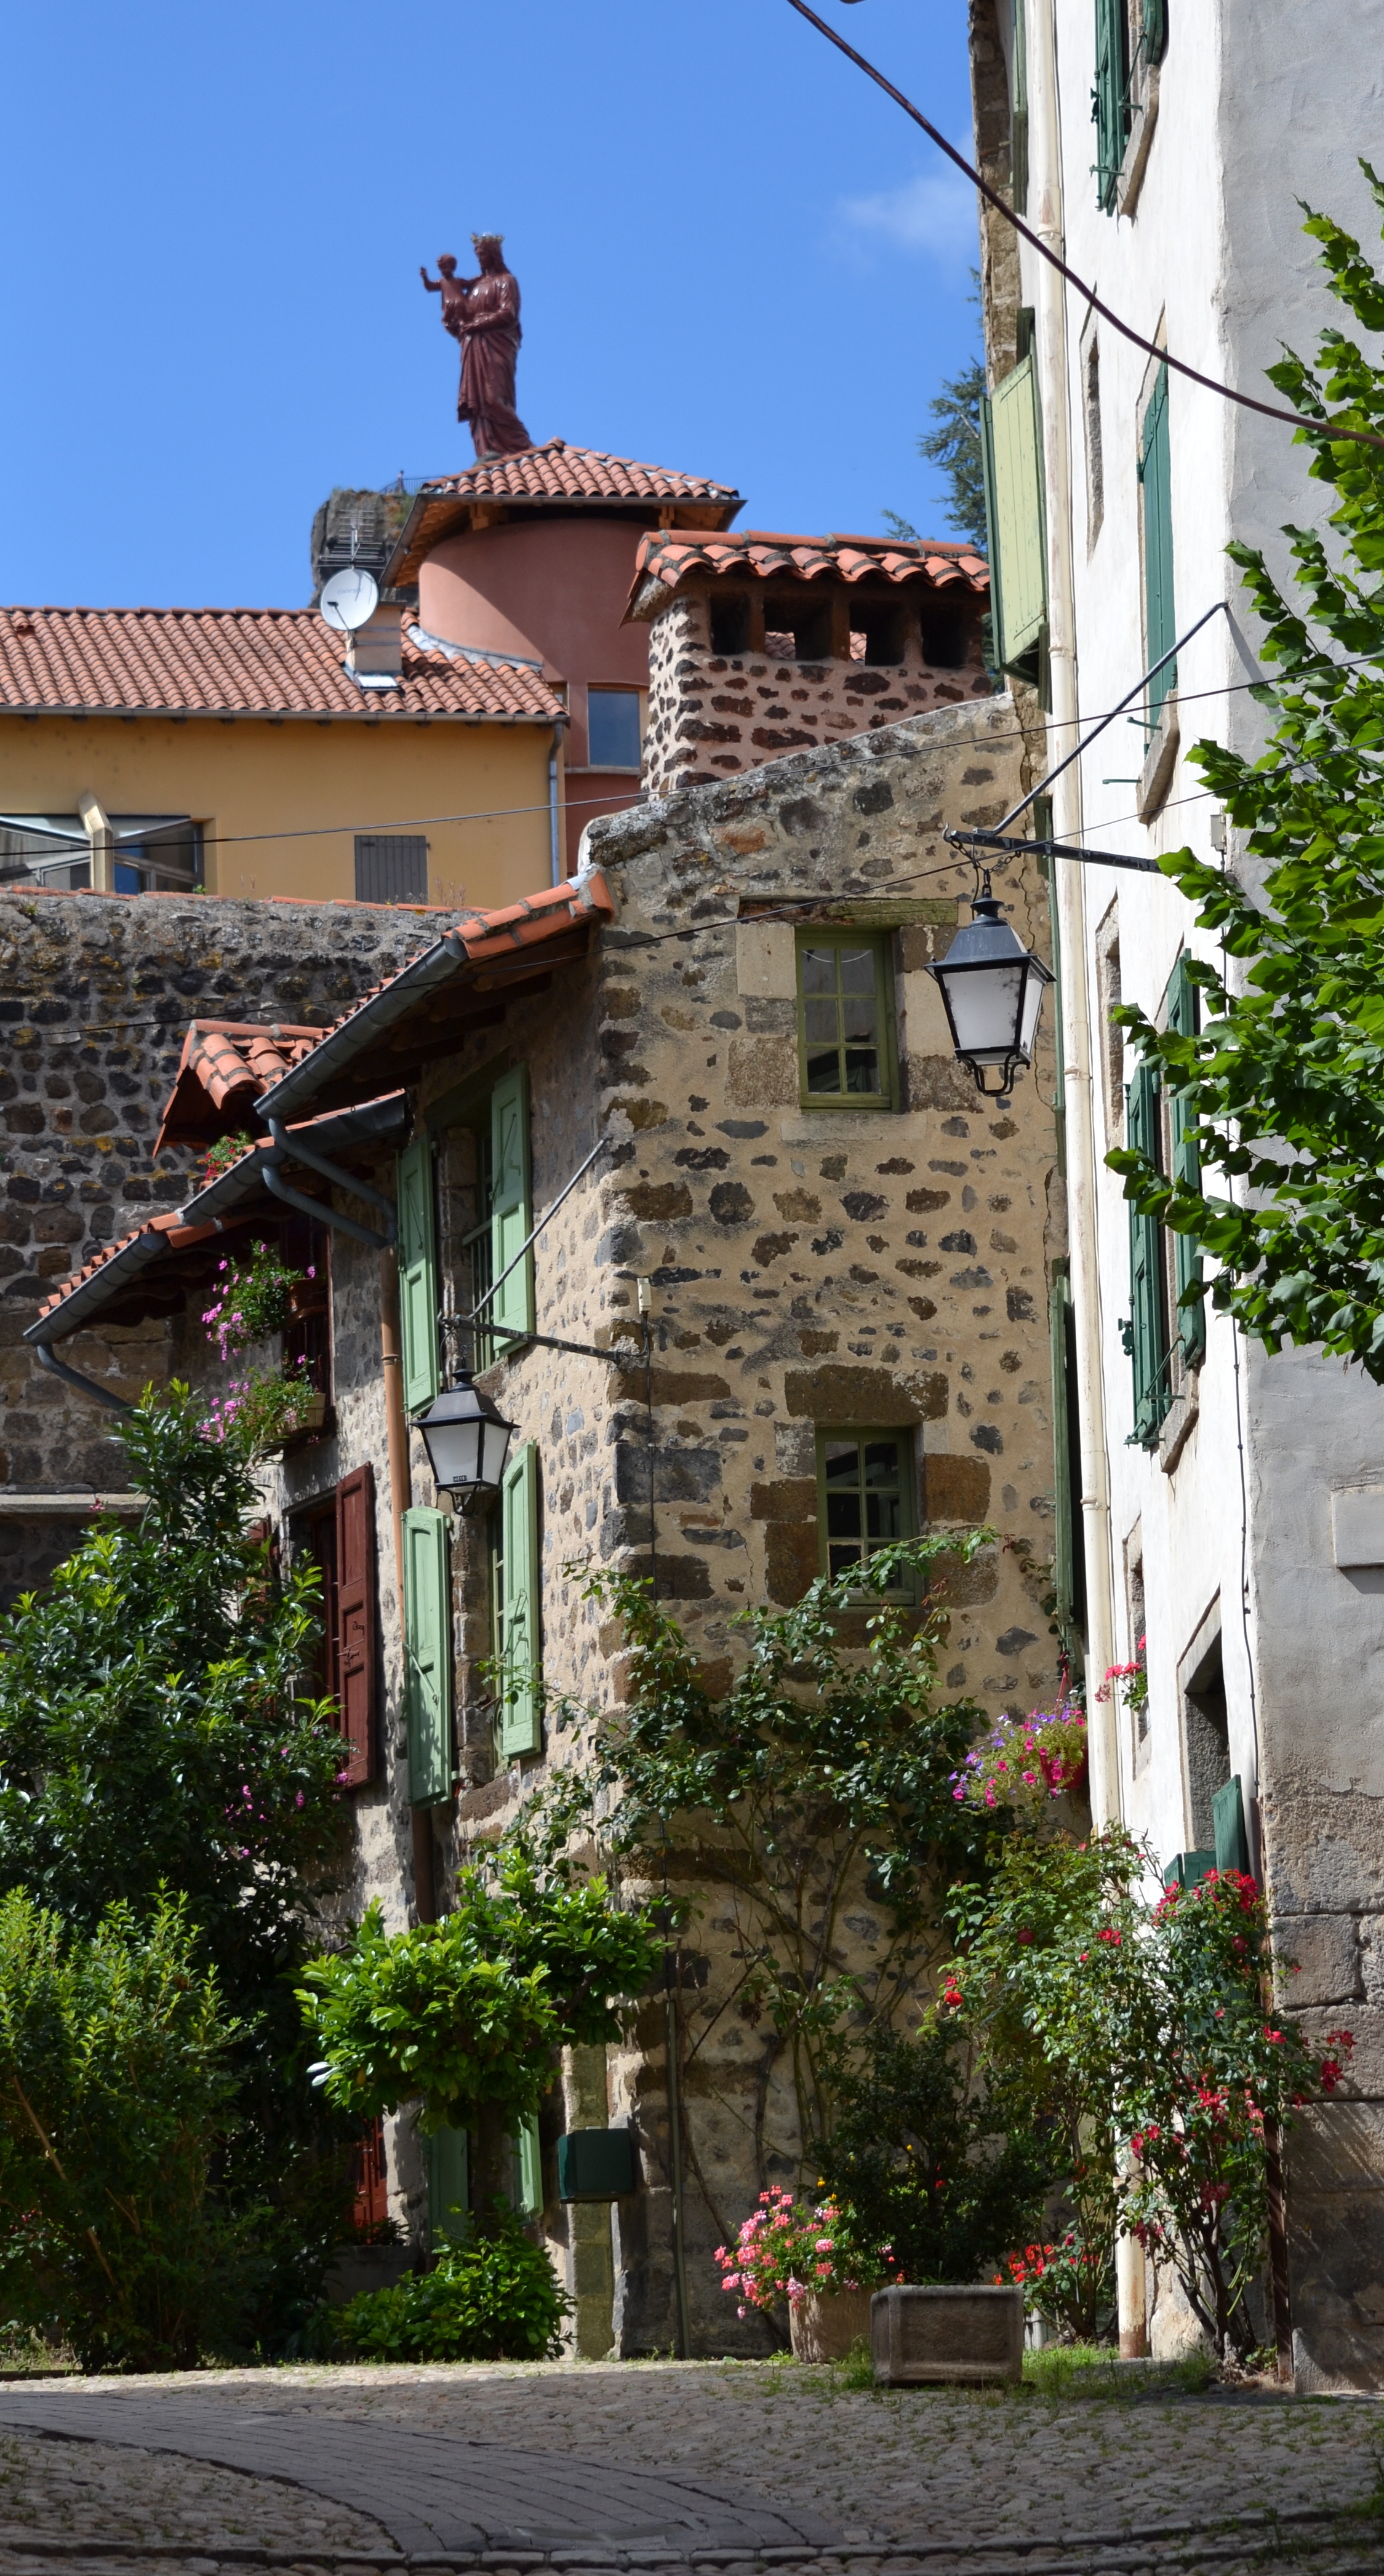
<point>95,996</point>
<point>712,715</point>
<point>808,1268</point>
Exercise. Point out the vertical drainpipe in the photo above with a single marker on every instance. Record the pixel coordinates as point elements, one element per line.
<point>554,805</point>
<point>400,1496</point>
<point>1046,216</point>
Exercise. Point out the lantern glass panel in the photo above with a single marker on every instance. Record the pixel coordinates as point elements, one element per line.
<point>985,1005</point>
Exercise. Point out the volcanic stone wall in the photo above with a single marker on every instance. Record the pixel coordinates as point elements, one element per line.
<point>809,1268</point>
<point>95,995</point>
<point>714,714</point>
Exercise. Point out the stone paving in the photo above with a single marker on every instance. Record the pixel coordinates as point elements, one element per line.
<point>723,2463</point>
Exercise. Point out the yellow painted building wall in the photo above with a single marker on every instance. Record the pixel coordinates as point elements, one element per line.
<point>310,787</point>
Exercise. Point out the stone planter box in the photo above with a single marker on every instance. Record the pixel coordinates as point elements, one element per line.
<point>824,2328</point>
<point>968,2332</point>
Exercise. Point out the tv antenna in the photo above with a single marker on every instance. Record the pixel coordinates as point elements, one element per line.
<point>349,598</point>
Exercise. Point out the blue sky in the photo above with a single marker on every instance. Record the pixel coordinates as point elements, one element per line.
<point>736,257</point>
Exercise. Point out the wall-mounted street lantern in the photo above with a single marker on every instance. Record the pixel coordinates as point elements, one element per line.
<point>467,1440</point>
<point>991,991</point>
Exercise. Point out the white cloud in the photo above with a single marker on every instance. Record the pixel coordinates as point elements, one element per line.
<point>933,214</point>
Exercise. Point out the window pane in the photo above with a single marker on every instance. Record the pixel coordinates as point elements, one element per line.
<point>613,728</point>
<point>841,1559</point>
<point>857,970</point>
<point>819,1022</point>
<point>857,1016</point>
<point>862,1070</point>
<point>843,1515</point>
<point>819,970</point>
<point>881,1462</point>
<point>840,1458</point>
<point>824,1073</point>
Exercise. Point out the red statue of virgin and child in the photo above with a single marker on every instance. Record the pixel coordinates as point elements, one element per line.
<point>483,314</point>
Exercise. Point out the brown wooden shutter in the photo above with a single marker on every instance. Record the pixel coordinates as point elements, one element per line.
<point>355,1631</point>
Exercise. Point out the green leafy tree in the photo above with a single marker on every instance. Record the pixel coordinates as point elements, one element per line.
<point>116,2090</point>
<point>822,1775</point>
<point>152,1732</point>
<point>1282,1090</point>
<point>464,2015</point>
<point>154,1741</point>
<point>954,447</point>
<point>1141,2032</point>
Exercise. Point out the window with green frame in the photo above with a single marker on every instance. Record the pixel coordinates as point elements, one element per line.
<point>864,1497</point>
<point>1156,519</point>
<point>846,1055</point>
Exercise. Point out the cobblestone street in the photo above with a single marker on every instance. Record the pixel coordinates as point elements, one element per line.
<point>669,2466</point>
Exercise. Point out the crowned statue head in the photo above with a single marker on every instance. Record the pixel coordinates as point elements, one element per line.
<point>490,251</point>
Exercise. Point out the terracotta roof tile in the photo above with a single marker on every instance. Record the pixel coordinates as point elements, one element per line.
<point>238,661</point>
<point>667,555</point>
<point>557,472</point>
<point>225,1066</point>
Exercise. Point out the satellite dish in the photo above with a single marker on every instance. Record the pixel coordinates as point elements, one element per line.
<point>349,598</point>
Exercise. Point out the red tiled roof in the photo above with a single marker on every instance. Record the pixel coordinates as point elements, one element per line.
<point>419,1012</point>
<point>667,555</point>
<point>549,477</point>
<point>238,661</point>
<point>225,1066</point>
<point>557,472</point>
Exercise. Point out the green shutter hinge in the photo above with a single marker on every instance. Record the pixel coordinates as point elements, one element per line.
<point>1125,1329</point>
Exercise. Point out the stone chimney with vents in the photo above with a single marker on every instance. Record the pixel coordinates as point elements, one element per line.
<point>752,655</point>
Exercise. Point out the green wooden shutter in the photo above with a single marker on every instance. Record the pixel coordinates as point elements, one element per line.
<point>417,1275</point>
<point>1014,514</point>
<point>520,1695</point>
<point>1109,101</point>
<point>528,2170</point>
<point>447,2164</point>
<point>1191,1320</point>
<point>427,1657</point>
<point>1155,29</point>
<point>1147,1332</point>
<point>1155,491</point>
<point>1228,1826</point>
<point>511,1218</point>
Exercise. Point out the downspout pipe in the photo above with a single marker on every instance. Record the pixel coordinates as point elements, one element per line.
<point>554,806</point>
<point>1045,168</point>
<point>331,1217</point>
<point>74,1377</point>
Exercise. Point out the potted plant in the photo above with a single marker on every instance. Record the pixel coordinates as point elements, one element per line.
<point>817,2259</point>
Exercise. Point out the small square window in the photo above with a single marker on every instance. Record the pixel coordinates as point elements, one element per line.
<point>845,1020</point>
<point>865,1498</point>
<point>612,728</point>
<point>391,867</point>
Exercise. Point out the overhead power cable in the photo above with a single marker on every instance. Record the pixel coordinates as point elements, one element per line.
<point>1323,429</point>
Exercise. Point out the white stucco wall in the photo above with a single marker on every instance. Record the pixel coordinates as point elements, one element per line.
<point>1261,103</point>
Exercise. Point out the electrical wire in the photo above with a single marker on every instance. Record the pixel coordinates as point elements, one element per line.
<point>1323,428</point>
<point>576,805</point>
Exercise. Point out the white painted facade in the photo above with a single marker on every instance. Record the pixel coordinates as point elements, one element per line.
<point>1245,1521</point>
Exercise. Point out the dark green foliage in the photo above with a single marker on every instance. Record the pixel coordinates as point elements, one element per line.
<point>928,2160</point>
<point>150,1732</point>
<point>465,2014</point>
<point>152,1744</point>
<point>823,1776</point>
<point>1286,1078</point>
<point>494,2299</point>
<point>954,446</point>
<point>116,2089</point>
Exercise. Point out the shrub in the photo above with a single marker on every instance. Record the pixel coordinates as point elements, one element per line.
<point>494,2299</point>
<point>947,2171</point>
<point>1069,2284</point>
<point>115,2093</point>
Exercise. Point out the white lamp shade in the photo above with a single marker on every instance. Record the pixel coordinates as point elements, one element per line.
<point>467,1440</point>
<point>992,990</point>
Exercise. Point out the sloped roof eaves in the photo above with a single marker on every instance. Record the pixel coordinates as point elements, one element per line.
<point>572,478</point>
<point>202,1216</point>
<point>269,662</point>
<point>667,555</point>
<point>487,938</point>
